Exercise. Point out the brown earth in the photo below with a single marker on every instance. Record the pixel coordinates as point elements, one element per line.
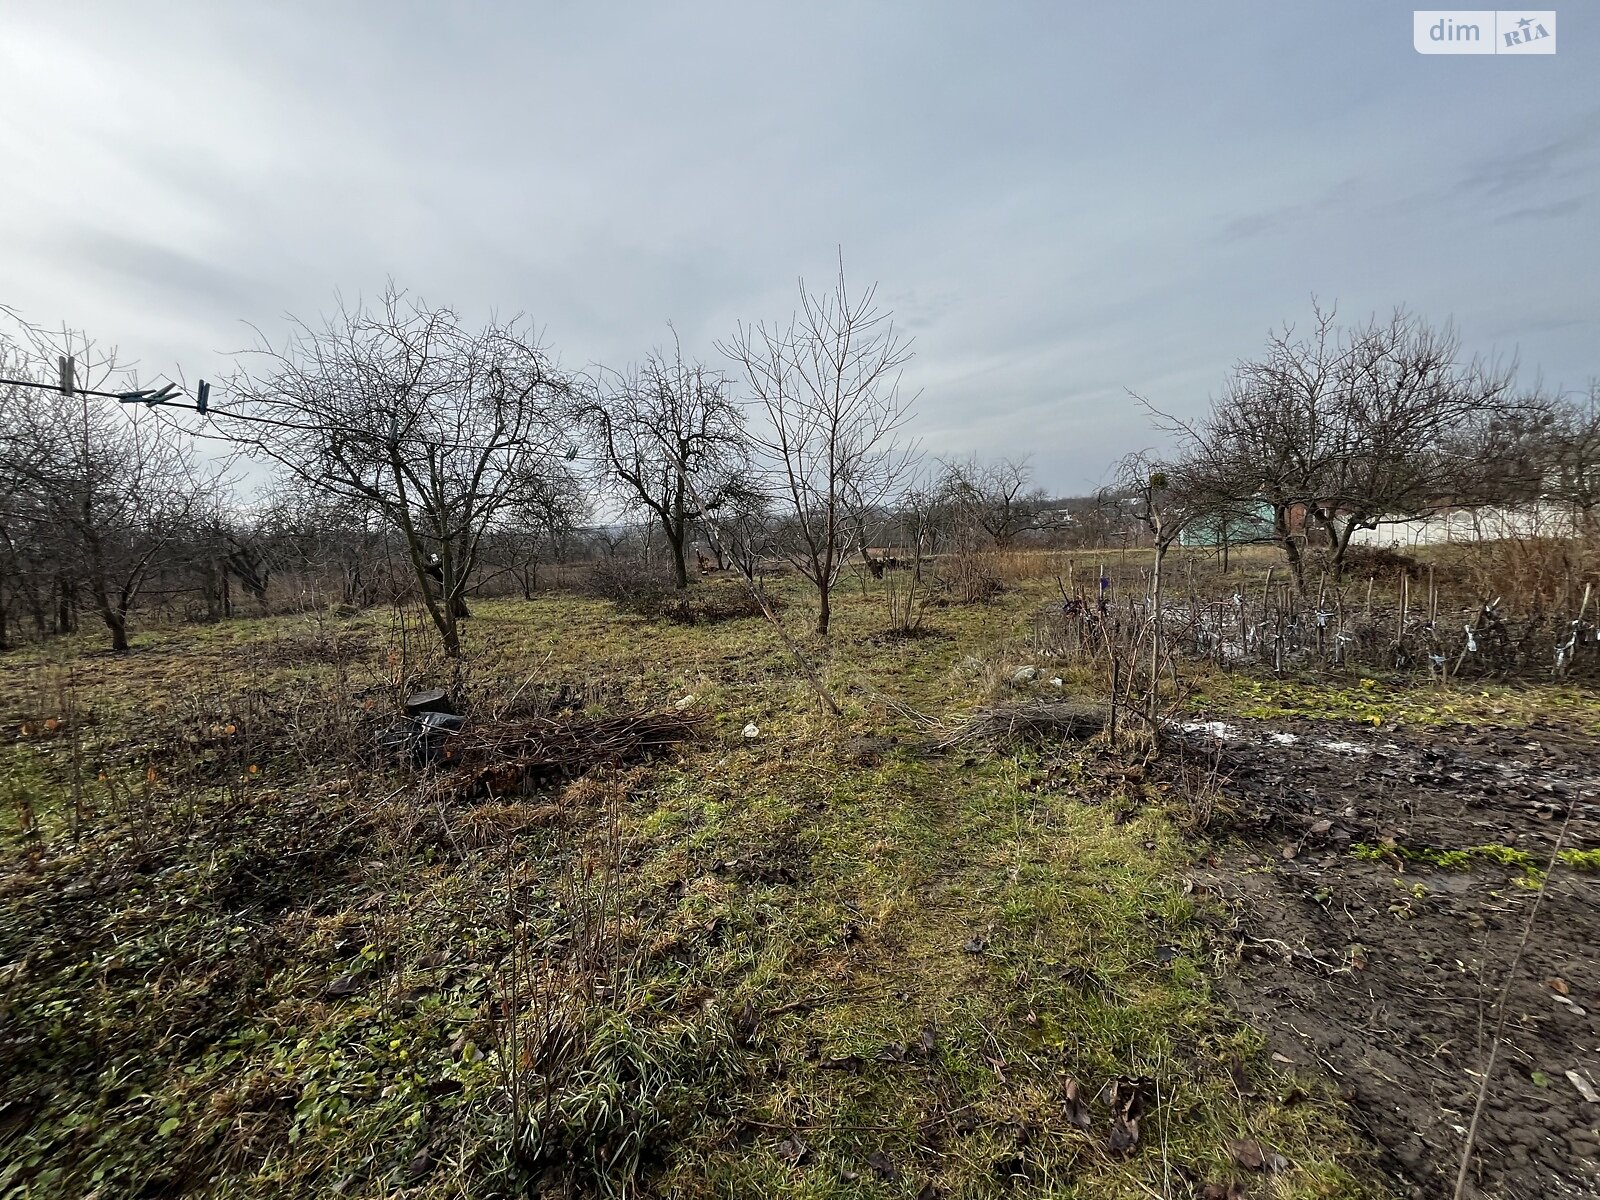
<point>1380,975</point>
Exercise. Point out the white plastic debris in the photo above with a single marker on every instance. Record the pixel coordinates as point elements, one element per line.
<point>1585,1089</point>
<point>752,730</point>
<point>1056,681</point>
<point>1220,730</point>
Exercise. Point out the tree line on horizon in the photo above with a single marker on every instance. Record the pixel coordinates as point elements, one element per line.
<point>411,454</point>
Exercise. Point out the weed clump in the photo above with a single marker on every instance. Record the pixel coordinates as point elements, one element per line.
<point>646,590</point>
<point>606,1099</point>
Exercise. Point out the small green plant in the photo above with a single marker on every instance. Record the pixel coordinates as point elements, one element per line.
<point>1529,867</point>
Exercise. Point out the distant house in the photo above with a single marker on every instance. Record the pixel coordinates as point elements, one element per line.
<point>1251,523</point>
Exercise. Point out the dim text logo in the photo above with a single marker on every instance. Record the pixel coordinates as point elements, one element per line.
<point>1483,31</point>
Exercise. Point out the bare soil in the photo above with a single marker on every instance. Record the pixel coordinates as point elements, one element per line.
<point>1387,990</point>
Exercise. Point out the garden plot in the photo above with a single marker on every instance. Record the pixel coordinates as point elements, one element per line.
<point>1381,891</point>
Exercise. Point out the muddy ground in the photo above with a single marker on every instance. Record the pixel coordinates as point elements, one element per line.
<point>1379,974</point>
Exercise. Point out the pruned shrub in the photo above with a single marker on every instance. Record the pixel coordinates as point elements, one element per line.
<point>970,577</point>
<point>1383,563</point>
<point>648,591</point>
<point>630,583</point>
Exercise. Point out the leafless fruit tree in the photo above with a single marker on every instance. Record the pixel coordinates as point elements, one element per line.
<point>671,439</point>
<point>95,493</point>
<point>1574,457</point>
<point>438,428</point>
<point>830,413</point>
<point>1338,429</point>
<point>542,527</point>
<point>995,497</point>
<point>1165,501</point>
<point>1410,416</point>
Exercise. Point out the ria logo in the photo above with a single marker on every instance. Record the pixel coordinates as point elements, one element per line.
<point>1529,30</point>
<point>1484,31</point>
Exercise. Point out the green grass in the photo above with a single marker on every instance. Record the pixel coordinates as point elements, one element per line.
<point>900,958</point>
<point>1391,702</point>
<point>1530,870</point>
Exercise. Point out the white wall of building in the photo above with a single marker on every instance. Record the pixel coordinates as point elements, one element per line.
<point>1472,525</point>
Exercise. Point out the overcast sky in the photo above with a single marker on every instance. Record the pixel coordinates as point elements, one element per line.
<point>1062,202</point>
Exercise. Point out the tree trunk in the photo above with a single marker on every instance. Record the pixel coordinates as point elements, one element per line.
<point>824,611</point>
<point>1291,548</point>
<point>680,564</point>
<point>213,588</point>
<point>39,610</point>
<point>1341,548</point>
<point>118,624</point>
<point>65,618</point>
<point>115,618</point>
<point>675,524</point>
<point>450,636</point>
<point>444,620</point>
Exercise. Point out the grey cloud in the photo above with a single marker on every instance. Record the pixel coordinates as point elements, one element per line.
<point>1544,212</point>
<point>1545,161</point>
<point>1050,232</point>
<point>145,271</point>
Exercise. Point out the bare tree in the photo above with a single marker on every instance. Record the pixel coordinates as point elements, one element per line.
<point>1340,429</point>
<point>404,409</point>
<point>667,433</point>
<point>996,497</point>
<point>1271,436</point>
<point>108,488</point>
<point>542,527</point>
<point>740,530</point>
<point>24,565</point>
<point>1165,502</point>
<point>318,537</point>
<point>827,388</point>
<point>1410,418</point>
<point>1574,475</point>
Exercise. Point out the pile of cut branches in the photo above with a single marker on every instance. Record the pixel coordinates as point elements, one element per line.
<point>508,758</point>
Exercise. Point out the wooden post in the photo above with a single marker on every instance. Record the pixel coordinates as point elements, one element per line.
<point>1266,596</point>
<point>1115,680</point>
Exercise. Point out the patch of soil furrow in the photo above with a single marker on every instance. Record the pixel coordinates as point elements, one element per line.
<point>1379,895</point>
